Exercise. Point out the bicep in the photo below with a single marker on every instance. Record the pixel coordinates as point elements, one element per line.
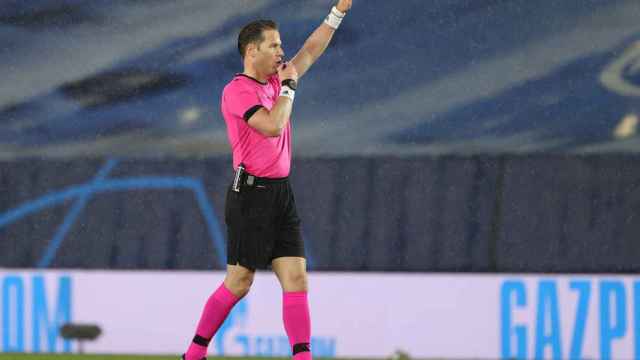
<point>261,121</point>
<point>247,106</point>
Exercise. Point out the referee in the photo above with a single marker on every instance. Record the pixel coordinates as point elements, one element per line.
<point>260,211</point>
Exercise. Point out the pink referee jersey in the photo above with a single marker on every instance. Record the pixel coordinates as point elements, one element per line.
<point>263,156</point>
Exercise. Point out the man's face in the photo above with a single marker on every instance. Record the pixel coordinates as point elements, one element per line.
<point>269,53</point>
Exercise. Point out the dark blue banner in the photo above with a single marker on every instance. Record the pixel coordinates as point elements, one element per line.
<point>513,214</point>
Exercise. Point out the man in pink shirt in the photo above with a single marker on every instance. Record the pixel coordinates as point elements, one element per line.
<point>260,211</point>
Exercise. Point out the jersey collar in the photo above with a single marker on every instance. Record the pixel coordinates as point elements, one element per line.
<point>252,78</point>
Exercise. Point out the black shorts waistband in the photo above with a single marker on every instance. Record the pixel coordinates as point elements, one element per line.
<point>265,181</point>
<point>252,180</point>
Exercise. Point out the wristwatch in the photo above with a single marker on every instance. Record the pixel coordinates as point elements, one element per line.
<point>292,84</point>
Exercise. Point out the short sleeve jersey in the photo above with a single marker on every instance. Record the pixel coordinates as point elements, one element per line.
<point>263,156</point>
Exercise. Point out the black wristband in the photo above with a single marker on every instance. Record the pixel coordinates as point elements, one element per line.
<point>290,83</point>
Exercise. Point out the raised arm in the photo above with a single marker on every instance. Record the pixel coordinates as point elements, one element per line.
<point>320,38</point>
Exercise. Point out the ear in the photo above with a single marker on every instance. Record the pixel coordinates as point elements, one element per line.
<point>251,49</point>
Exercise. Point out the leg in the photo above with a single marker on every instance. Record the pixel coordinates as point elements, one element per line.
<point>238,280</point>
<point>236,285</point>
<point>292,274</point>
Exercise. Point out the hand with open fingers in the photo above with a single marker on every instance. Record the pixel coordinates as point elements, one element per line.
<point>287,70</point>
<point>344,5</point>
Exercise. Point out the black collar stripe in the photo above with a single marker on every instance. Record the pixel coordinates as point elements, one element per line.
<point>254,79</point>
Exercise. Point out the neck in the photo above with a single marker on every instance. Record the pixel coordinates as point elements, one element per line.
<point>250,71</point>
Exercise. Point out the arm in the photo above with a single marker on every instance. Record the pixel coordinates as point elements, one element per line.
<point>317,42</point>
<point>273,122</point>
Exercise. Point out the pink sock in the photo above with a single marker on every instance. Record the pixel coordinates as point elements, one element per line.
<point>215,311</point>
<point>297,323</point>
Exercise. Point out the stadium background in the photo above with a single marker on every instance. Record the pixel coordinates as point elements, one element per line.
<point>433,139</point>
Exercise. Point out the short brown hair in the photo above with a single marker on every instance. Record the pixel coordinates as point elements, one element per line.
<point>253,33</point>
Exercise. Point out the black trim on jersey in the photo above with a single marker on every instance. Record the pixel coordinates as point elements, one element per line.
<point>249,113</point>
<point>254,79</point>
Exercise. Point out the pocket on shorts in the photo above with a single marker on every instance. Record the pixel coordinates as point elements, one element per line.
<point>258,225</point>
<point>256,204</point>
<point>232,208</point>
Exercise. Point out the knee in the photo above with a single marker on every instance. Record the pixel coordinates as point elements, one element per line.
<point>296,281</point>
<point>239,285</point>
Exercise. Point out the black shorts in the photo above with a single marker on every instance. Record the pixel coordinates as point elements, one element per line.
<point>262,224</point>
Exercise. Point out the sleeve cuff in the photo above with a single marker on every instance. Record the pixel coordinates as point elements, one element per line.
<point>249,113</point>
